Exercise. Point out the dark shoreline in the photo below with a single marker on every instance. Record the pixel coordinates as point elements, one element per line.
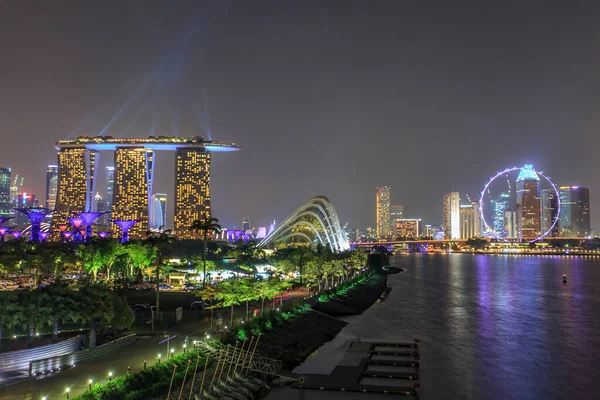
<point>301,336</point>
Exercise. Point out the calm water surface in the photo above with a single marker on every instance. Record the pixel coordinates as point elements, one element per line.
<point>491,327</point>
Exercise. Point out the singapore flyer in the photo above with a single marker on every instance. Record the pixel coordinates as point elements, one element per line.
<point>520,203</point>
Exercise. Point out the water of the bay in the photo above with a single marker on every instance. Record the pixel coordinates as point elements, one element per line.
<point>491,327</point>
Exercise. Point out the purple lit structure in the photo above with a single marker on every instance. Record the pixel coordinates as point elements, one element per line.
<point>67,235</point>
<point>103,235</point>
<point>88,219</point>
<point>36,215</point>
<point>44,235</point>
<point>4,219</point>
<point>125,225</point>
<point>77,223</point>
<point>15,234</point>
<point>3,232</point>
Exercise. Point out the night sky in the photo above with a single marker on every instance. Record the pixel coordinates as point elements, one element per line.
<point>326,97</point>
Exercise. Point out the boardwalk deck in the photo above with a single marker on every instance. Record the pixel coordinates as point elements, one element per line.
<point>354,372</point>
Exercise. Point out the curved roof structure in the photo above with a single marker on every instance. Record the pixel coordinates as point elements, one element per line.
<point>313,222</point>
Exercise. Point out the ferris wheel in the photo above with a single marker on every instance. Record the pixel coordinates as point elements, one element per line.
<point>528,170</point>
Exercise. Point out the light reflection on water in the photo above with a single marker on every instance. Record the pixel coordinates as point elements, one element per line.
<point>491,327</point>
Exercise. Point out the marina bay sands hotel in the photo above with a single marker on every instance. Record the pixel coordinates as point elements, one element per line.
<point>134,163</point>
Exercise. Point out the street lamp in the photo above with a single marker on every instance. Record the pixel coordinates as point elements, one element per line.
<point>158,358</point>
<point>90,383</point>
<point>110,376</point>
<point>172,351</point>
<point>68,390</point>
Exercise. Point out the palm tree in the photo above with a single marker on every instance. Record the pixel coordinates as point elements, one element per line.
<point>210,225</point>
<point>159,241</point>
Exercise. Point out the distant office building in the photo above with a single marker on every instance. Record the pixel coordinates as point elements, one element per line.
<point>51,186</point>
<point>246,225</point>
<point>431,231</point>
<point>76,171</point>
<point>158,211</point>
<point>575,211</point>
<point>100,207</point>
<point>470,220</point>
<point>451,213</point>
<point>510,224</point>
<point>384,223</point>
<point>192,190</point>
<point>134,167</point>
<point>110,186</point>
<point>549,212</point>
<point>408,228</point>
<point>499,206</point>
<point>528,203</point>
<point>25,200</point>
<point>5,199</point>
<point>396,213</point>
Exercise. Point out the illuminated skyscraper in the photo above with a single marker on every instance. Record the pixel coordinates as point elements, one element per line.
<point>158,211</point>
<point>408,228</point>
<point>76,171</point>
<point>133,182</point>
<point>192,190</point>
<point>549,212</point>
<point>575,211</point>
<point>499,206</point>
<point>528,204</point>
<point>510,224</point>
<point>451,213</point>
<point>51,186</point>
<point>5,200</point>
<point>470,220</point>
<point>384,223</point>
<point>396,213</point>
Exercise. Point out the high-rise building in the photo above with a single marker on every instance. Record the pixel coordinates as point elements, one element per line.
<point>510,224</point>
<point>158,211</point>
<point>451,213</point>
<point>549,212</point>
<point>76,171</point>
<point>575,211</point>
<point>246,226</point>
<point>528,203</point>
<point>384,223</point>
<point>134,167</point>
<point>192,190</point>
<point>396,213</point>
<point>470,220</point>
<point>51,186</point>
<point>499,206</point>
<point>5,199</point>
<point>408,228</point>
<point>433,231</point>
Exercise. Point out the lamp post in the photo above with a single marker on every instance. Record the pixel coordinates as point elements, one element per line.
<point>90,384</point>
<point>110,376</point>
<point>172,351</point>
<point>68,390</point>
<point>158,362</point>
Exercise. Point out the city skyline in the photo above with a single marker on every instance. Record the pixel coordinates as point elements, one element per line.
<point>269,112</point>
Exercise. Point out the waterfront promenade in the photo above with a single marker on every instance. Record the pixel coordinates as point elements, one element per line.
<point>146,349</point>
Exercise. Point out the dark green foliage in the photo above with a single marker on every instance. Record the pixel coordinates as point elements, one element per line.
<point>153,382</point>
